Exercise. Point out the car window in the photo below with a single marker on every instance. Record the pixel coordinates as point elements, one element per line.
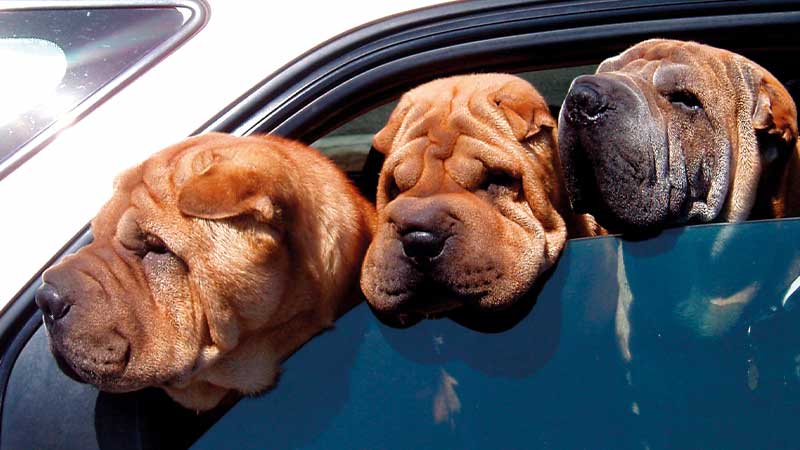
<point>681,341</point>
<point>66,59</point>
<point>687,340</point>
<point>349,144</point>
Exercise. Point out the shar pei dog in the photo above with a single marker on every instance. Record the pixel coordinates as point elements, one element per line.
<point>471,205</point>
<point>673,132</point>
<point>214,260</point>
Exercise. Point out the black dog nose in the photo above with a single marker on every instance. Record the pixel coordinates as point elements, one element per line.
<point>51,302</point>
<point>423,244</point>
<point>584,103</point>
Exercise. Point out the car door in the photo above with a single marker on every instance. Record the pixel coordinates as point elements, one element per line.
<point>568,374</point>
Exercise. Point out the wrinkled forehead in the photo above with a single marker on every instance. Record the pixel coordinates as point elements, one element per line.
<point>465,88</point>
<point>154,179</point>
<point>670,59</point>
<point>168,170</point>
<point>104,223</point>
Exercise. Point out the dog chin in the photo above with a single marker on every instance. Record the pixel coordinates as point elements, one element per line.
<point>65,368</point>
<point>434,301</point>
<point>106,382</point>
<point>426,301</point>
<point>108,375</point>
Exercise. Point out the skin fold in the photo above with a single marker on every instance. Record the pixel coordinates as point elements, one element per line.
<point>672,132</point>
<point>471,207</point>
<point>213,261</point>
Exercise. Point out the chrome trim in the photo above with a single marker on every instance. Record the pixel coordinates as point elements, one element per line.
<point>200,12</point>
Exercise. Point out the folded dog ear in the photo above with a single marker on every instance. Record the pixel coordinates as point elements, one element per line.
<point>775,123</point>
<point>224,190</point>
<point>526,112</point>
<point>775,112</point>
<point>767,133</point>
<point>383,139</point>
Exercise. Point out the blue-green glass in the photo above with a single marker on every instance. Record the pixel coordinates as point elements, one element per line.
<point>678,341</point>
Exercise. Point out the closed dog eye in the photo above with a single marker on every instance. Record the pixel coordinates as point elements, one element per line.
<point>141,243</point>
<point>685,99</point>
<point>501,182</point>
<point>148,243</point>
<point>154,244</point>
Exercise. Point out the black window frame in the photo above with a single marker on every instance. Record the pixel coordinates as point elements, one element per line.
<point>347,76</point>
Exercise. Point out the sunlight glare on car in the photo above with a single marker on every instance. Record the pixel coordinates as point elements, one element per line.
<point>34,69</point>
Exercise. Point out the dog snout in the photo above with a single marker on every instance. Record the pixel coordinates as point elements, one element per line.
<point>586,101</point>
<point>52,302</point>
<point>422,244</point>
<point>423,226</point>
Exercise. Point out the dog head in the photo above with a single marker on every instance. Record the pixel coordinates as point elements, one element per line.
<point>209,265</point>
<point>467,198</point>
<point>671,132</point>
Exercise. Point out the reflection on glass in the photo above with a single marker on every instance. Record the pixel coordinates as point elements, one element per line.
<point>53,60</point>
<point>678,341</point>
<point>789,301</point>
<point>446,403</point>
<point>701,355</point>
<point>33,70</point>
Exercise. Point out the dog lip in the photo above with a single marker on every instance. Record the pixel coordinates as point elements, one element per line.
<point>433,299</point>
<point>107,372</point>
<point>438,309</point>
<point>66,369</point>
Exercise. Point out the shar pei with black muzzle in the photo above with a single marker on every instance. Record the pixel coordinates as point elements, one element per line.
<point>673,132</point>
<point>471,205</point>
<point>213,261</point>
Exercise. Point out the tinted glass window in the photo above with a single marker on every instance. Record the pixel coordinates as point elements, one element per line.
<point>681,341</point>
<point>687,340</point>
<point>57,59</point>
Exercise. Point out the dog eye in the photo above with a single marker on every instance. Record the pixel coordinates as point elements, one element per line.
<point>501,181</point>
<point>685,99</point>
<point>154,244</point>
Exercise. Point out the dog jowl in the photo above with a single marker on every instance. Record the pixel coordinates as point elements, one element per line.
<point>470,205</point>
<point>674,132</point>
<point>210,265</point>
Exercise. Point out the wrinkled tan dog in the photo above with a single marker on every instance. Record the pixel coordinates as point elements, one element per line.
<point>672,132</point>
<point>471,208</point>
<point>213,261</point>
